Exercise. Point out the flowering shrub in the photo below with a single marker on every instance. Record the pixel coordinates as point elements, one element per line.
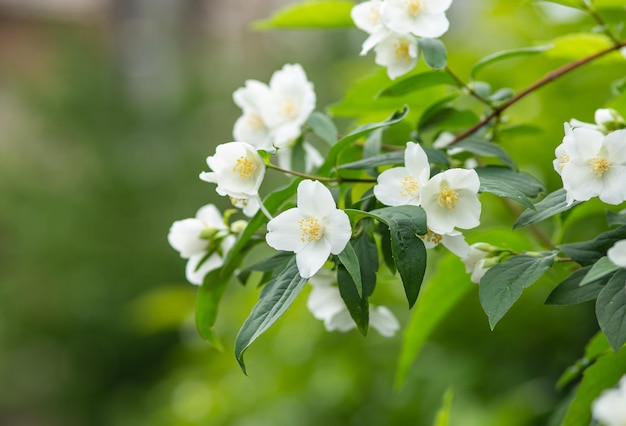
<point>366,206</point>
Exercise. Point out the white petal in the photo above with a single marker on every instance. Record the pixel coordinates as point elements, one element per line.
<point>610,407</point>
<point>398,53</point>
<point>614,185</point>
<point>211,216</point>
<point>580,182</point>
<point>617,253</point>
<point>585,143</point>
<point>314,199</point>
<point>284,231</point>
<point>415,159</point>
<point>312,257</point>
<point>460,179</point>
<point>313,157</point>
<point>337,231</point>
<point>325,302</point>
<point>383,321</point>
<point>389,189</point>
<point>437,6</point>
<point>455,242</point>
<point>184,237</point>
<point>431,25</point>
<point>197,277</point>
<point>342,321</point>
<point>366,16</point>
<point>251,128</point>
<point>615,144</point>
<point>247,98</point>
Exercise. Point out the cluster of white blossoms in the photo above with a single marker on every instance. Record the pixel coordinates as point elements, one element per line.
<point>394,27</point>
<point>450,198</point>
<point>592,159</point>
<point>273,114</point>
<point>610,407</point>
<point>204,240</point>
<point>325,304</point>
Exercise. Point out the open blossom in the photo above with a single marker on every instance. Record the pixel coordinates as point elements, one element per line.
<point>273,114</point>
<point>592,164</point>
<point>450,200</point>
<point>313,230</point>
<point>606,120</point>
<point>610,407</point>
<point>326,304</point>
<point>237,169</point>
<point>402,185</point>
<point>422,18</point>
<point>617,253</point>
<point>398,52</point>
<point>192,238</point>
<point>367,17</point>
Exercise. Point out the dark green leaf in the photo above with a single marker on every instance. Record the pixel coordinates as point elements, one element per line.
<point>273,264</point>
<point>367,252</point>
<point>323,127</point>
<point>611,310</point>
<point>350,262</point>
<point>436,156</point>
<point>310,14</point>
<point>589,252</point>
<point>507,54</point>
<point>503,189</point>
<point>207,303</point>
<point>602,375</point>
<point>615,218</point>
<point>385,247</point>
<point>357,306</point>
<point>523,182</point>
<point>276,297</point>
<point>298,156</point>
<point>418,82</point>
<point>486,149</point>
<point>503,283</point>
<point>347,140</point>
<point>434,52</point>
<point>379,160</point>
<point>553,204</point>
<point>446,117</point>
<point>600,269</point>
<point>569,291</point>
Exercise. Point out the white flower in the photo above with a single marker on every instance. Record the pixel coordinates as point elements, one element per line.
<point>397,52</point>
<point>606,121</point>
<point>326,304</point>
<point>453,241</point>
<point>192,238</point>
<point>313,230</point>
<point>592,164</point>
<point>367,17</point>
<point>422,18</point>
<point>402,185</point>
<point>617,253</point>
<point>273,114</point>
<point>610,407</point>
<point>474,262</point>
<point>237,168</point>
<point>450,199</point>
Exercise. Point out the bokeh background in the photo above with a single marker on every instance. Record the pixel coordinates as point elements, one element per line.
<point>108,109</point>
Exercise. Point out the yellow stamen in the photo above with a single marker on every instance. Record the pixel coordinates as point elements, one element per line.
<point>414,7</point>
<point>244,167</point>
<point>255,121</point>
<point>564,160</point>
<point>240,202</point>
<point>600,166</point>
<point>409,187</point>
<point>374,16</point>
<point>448,198</point>
<point>312,229</point>
<point>289,108</point>
<point>432,237</point>
<point>402,50</point>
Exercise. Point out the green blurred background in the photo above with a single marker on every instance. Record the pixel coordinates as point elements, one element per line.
<point>108,109</point>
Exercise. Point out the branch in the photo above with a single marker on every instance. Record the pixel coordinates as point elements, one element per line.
<point>319,178</point>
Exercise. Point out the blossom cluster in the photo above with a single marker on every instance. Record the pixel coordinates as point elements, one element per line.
<point>394,27</point>
<point>592,159</point>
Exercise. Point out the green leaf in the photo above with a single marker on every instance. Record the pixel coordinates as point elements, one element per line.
<point>450,118</point>
<point>611,310</point>
<point>436,156</point>
<point>602,375</point>
<point>507,54</point>
<point>357,306</point>
<point>367,253</point>
<point>443,415</point>
<point>503,283</point>
<point>310,14</point>
<point>434,52</point>
<point>207,303</point>
<point>615,218</point>
<point>571,3</point>
<point>486,149</point>
<point>553,204</point>
<point>385,247</point>
<point>418,82</point>
<point>276,297</point>
<point>323,127</point>
<point>503,189</point>
<point>378,160</point>
<point>579,45</point>
<point>600,269</point>
<point>589,252</point>
<point>272,264</point>
<point>444,290</point>
<point>346,141</point>
<point>569,291</point>
<point>523,182</point>
<point>350,261</point>
<point>597,346</point>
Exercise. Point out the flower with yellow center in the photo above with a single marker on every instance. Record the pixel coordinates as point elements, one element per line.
<point>238,171</point>
<point>450,200</point>
<point>397,52</point>
<point>402,185</point>
<point>312,230</point>
<point>367,16</point>
<point>421,18</point>
<point>592,164</point>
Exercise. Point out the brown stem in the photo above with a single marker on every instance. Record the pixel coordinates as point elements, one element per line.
<point>321,179</point>
<point>464,85</point>
<point>536,85</point>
